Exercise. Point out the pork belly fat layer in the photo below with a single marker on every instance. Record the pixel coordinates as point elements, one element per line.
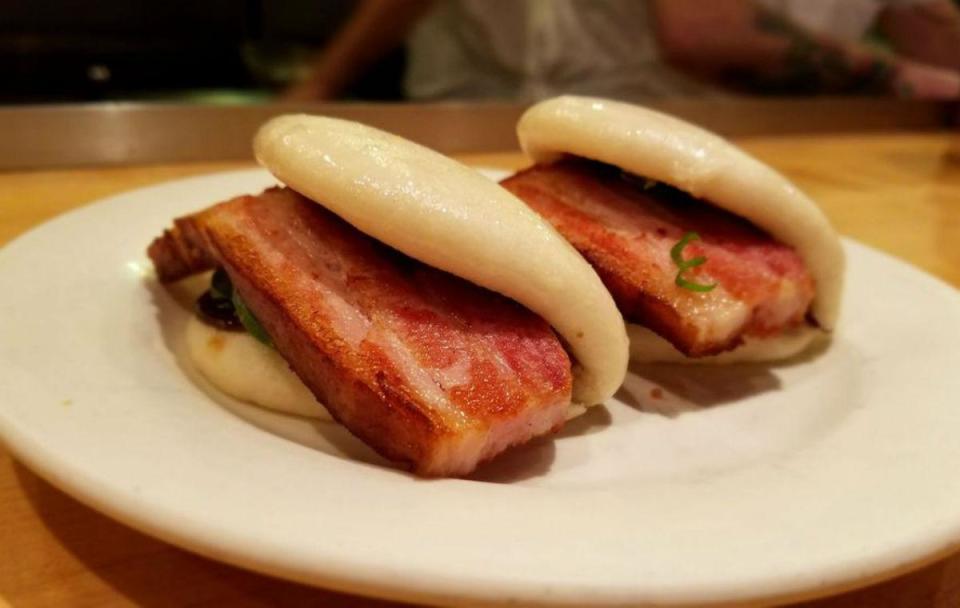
<point>425,367</point>
<point>625,229</point>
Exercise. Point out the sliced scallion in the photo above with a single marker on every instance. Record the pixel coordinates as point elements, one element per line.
<point>676,254</point>
<point>249,321</point>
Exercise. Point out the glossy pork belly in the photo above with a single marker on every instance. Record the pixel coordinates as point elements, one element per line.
<point>425,367</point>
<point>625,227</point>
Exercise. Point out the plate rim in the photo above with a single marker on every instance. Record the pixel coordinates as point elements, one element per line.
<point>42,461</point>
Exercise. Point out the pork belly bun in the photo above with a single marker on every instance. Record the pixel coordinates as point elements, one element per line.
<point>711,255</point>
<point>434,314</point>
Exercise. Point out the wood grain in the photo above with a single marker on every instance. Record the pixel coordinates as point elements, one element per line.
<point>897,192</point>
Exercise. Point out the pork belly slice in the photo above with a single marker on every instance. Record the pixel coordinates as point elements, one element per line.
<point>626,227</point>
<point>423,366</point>
<point>182,250</point>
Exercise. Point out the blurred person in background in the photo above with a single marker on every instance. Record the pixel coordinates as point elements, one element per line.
<point>530,49</point>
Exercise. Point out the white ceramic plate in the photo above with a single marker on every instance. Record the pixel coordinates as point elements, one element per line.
<point>737,484</point>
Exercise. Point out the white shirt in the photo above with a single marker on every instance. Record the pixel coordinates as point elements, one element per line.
<point>530,49</point>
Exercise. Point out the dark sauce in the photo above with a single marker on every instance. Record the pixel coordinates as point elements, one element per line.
<point>215,306</point>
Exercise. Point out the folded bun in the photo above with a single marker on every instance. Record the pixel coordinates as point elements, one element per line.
<point>664,148</point>
<point>449,216</point>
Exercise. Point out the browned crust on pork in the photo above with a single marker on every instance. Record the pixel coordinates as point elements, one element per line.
<point>372,413</point>
<point>182,250</point>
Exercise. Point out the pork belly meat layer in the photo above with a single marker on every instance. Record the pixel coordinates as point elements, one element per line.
<point>424,367</point>
<point>626,228</point>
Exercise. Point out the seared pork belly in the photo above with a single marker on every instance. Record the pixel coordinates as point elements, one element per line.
<point>423,366</point>
<point>625,227</point>
<point>182,250</point>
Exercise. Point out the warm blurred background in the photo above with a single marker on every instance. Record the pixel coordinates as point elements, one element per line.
<point>223,51</point>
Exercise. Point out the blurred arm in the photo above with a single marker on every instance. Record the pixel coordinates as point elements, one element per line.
<point>741,43</point>
<point>375,28</point>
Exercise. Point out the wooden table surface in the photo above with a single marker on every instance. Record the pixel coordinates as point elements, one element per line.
<point>897,192</point>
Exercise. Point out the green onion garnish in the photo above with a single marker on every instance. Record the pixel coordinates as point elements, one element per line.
<point>676,254</point>
<point>250,322</point>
